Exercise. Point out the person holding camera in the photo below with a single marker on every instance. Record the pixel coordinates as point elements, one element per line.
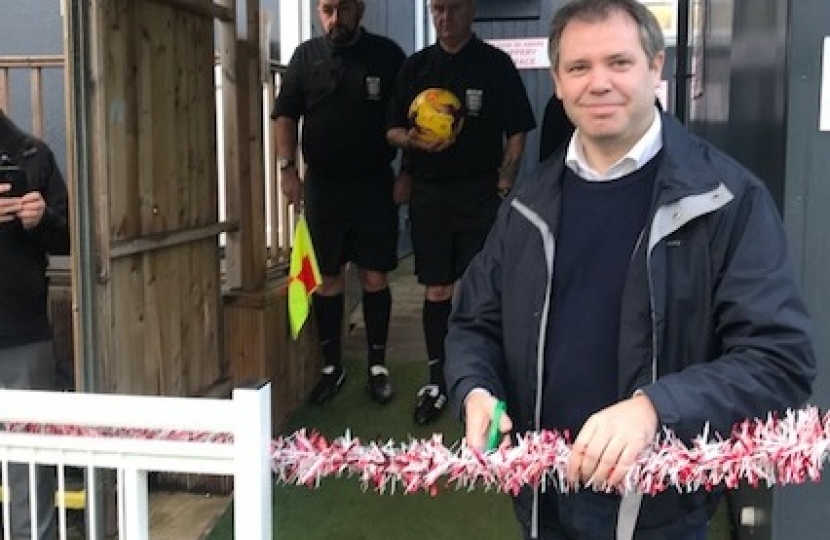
<point>33,225</point>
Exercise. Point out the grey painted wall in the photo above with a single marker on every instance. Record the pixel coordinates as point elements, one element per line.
<point>802,513</point>
<point>760,103</point>
<point>33,27</point>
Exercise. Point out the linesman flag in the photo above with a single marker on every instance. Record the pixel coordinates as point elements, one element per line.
<point>304,277</point>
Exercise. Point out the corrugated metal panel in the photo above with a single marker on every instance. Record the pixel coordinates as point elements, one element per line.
<point>759,102</point>
<point>742,104</point>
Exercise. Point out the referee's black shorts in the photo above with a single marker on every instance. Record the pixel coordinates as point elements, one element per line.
<point>449,225</point>
<point>352,219</point>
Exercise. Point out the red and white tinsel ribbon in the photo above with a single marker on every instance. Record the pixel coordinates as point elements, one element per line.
<point>104,432</point>
<point>788,450</point>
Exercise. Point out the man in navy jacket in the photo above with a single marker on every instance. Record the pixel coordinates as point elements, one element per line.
<point>638,280</point>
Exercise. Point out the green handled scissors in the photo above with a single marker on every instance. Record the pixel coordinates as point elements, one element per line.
<point>493,434</point>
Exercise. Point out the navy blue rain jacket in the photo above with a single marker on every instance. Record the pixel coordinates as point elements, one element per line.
<point>714,331</point>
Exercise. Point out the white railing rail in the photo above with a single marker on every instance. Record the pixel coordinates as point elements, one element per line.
<point>247,416</point>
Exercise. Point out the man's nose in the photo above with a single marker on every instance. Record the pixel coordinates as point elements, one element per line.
<point>600,79</point>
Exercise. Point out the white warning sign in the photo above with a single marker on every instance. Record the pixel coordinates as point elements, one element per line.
<point>527,53</point>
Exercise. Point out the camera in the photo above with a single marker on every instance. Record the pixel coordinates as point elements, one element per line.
<point>14,175</point>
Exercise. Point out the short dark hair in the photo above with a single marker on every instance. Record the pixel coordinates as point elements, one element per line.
<point>651,35</point>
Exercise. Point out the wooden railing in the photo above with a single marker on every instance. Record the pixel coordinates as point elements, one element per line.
<point>280,219</point>
<point>35,66</point>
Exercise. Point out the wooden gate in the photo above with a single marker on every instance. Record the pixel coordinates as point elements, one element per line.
<point>146,226</point>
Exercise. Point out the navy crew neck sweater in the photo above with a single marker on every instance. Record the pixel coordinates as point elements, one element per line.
<point>599,228</point>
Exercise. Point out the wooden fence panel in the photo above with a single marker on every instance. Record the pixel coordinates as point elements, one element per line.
<point>161,300</point>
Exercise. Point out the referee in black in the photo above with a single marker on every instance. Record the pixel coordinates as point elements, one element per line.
<point>458,185</point>
<point>339,84</point>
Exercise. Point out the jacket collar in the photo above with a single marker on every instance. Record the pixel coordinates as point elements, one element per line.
<point>637,156</point>
<point>683,171</point>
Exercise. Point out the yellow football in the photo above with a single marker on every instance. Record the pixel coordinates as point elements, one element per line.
<point>437,115</point>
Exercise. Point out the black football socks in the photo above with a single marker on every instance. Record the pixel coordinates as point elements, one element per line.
<point>328,311</point>
<point>435,319</point>
<point>377,307</point>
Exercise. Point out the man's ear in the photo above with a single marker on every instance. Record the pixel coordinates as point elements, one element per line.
<point>555,83</point>
<point>657,65</point>
<point>361,7</point>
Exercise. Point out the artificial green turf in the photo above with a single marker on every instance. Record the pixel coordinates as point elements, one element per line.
<point>340,509</point>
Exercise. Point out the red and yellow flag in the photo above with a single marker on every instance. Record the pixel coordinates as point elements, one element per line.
<point>304,276</point>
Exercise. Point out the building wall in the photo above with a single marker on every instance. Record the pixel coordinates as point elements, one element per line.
<point>742,106</point>
<point>760,103</point>
<point>802,513</point>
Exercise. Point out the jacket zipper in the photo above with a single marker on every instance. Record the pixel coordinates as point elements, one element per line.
<point>667,220</point>
<point>549,243</point>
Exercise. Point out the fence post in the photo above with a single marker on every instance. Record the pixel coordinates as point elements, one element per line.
<point>135,509</point>
<point>253,483</point>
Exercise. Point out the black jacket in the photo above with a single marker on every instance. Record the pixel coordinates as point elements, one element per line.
<point>713,328</point>
<point>23,254</point>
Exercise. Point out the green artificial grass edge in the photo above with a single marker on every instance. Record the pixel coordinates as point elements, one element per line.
<point>340,508</point>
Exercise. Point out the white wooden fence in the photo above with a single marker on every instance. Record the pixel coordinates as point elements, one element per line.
<point>247,417</point>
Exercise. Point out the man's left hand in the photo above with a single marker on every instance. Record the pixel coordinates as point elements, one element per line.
<point>32,207</point>
<point>610,442</point>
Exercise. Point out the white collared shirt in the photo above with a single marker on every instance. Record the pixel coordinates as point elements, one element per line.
<point>640,154</point>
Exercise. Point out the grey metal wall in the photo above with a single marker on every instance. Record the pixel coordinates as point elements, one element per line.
<point>393,19</point>
<point>802,513</point>
<point>760,103</point>
<point>537,81</point>
<point>744,97</point>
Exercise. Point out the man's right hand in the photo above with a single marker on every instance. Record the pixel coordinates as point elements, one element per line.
<point>479,406</point>
<point>415,140</point>
<point>292,187</point>
<point>9,206</point>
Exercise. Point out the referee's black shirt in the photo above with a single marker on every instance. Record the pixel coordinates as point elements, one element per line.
<point>495,103</point>
<point>342,94</point>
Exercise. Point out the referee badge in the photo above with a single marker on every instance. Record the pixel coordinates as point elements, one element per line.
<point>475,99</point>
<point>373,88</point>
